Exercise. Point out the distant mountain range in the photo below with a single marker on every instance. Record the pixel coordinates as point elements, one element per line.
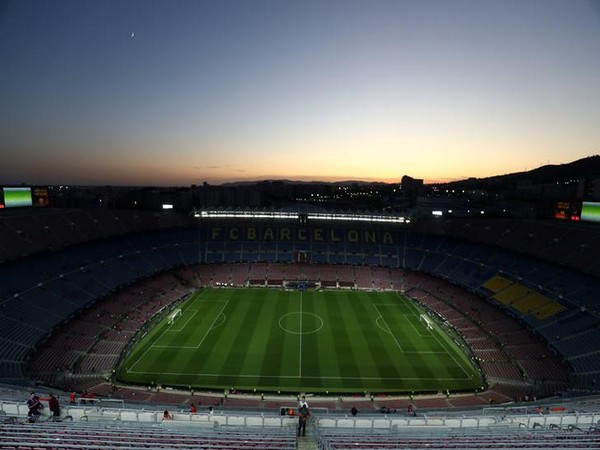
<point>284,181</point>
<point>581,168</point>
<point>585,167</point>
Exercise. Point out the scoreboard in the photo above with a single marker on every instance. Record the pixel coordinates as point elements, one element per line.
<point>567,211</point>
<point>584,211</point>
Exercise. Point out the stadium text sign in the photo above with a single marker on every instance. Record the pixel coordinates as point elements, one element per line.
<point>308,234</point>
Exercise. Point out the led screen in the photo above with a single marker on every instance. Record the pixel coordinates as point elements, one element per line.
<point>17,196</point>
<point>41,197</point>
<point>565,210</point>
<point>590,211</point>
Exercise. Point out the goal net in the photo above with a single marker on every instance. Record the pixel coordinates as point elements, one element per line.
<point>426,321</point>
<point>174,315</point>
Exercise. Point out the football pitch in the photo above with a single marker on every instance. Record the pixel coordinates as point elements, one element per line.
<point>272,340</point>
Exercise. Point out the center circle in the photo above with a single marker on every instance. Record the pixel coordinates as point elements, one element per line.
<point>300,323</point>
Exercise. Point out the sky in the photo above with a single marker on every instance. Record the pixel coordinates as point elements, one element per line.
<point>183,92</point>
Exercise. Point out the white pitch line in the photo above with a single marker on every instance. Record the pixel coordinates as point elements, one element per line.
<point>166,346</point>
<point>213,323</point>
<point>185,324</point>
<point>421,335</point>
<point>388,327</point>
<point>204,337</point>
<point>449,352</point>
<point>178,347</point>
<point>296,376</point>
<point>147,350</point>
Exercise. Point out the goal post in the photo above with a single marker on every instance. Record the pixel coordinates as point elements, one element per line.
<point>174,315</point>
<point>426,321</point>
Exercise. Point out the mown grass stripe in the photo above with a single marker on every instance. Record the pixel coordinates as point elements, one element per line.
<point>343,344</point>
<point>275,361</point>
<point>246,347</point>
<point>309,352</point>
<point>244,322</point>
<point>325,356</point>
<point>378,360</point>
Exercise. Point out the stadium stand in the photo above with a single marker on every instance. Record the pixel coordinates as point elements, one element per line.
<point>521,295</point>
<point>93,436</point>
<point>105,424</point>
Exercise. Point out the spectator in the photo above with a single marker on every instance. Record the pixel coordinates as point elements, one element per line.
<point>354,411</point>
<point>303,417</point>
<point>303,402</point>
<point>167,415</point>
<point>193,408</point>
<point>72,398</point>
<point>34,405</point>
<point>54,406</point>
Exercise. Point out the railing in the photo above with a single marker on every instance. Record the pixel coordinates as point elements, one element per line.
<point>115,410</point>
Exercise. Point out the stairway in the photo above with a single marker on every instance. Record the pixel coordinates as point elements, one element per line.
<point>307,443</point>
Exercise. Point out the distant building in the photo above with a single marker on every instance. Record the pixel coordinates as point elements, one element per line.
<point>413,188</point>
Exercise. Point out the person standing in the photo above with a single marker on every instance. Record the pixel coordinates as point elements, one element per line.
<point>302,419</point>
<point>54,406</point>
<point>303,402</point>
<point>34,405</point>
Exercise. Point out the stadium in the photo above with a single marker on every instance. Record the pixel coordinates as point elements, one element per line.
<point>484,329</point>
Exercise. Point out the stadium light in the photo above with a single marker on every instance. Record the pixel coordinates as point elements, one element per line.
<point>217,214</point>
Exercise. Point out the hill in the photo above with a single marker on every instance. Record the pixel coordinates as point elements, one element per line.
<point>581,168</point>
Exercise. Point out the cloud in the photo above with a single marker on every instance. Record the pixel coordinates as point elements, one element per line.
<point>209,167</point>
<point>225,167</point>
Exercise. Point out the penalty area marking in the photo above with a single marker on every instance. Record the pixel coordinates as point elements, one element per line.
<point>194,347</point>
<point>389,330</point>
<point>445,346</point>
<point>226,302</point>
<point>383,326</point>
<point>177,330</point>
<point>421,335</point>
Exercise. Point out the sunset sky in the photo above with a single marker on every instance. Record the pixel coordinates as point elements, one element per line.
<point>180,92</point>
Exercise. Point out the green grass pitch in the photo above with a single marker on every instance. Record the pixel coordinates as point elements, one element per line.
<point>300,341</point>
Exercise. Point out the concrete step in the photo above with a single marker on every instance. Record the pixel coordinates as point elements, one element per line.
<point>307,443</point>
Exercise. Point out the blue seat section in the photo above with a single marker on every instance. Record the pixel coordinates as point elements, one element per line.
<point>18,331</point>
<point>572,332</point>
<point>40,292</point>
<point>320,258</point>
<point>11,372</point>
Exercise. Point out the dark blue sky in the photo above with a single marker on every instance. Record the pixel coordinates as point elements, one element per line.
<point>180,92</point>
